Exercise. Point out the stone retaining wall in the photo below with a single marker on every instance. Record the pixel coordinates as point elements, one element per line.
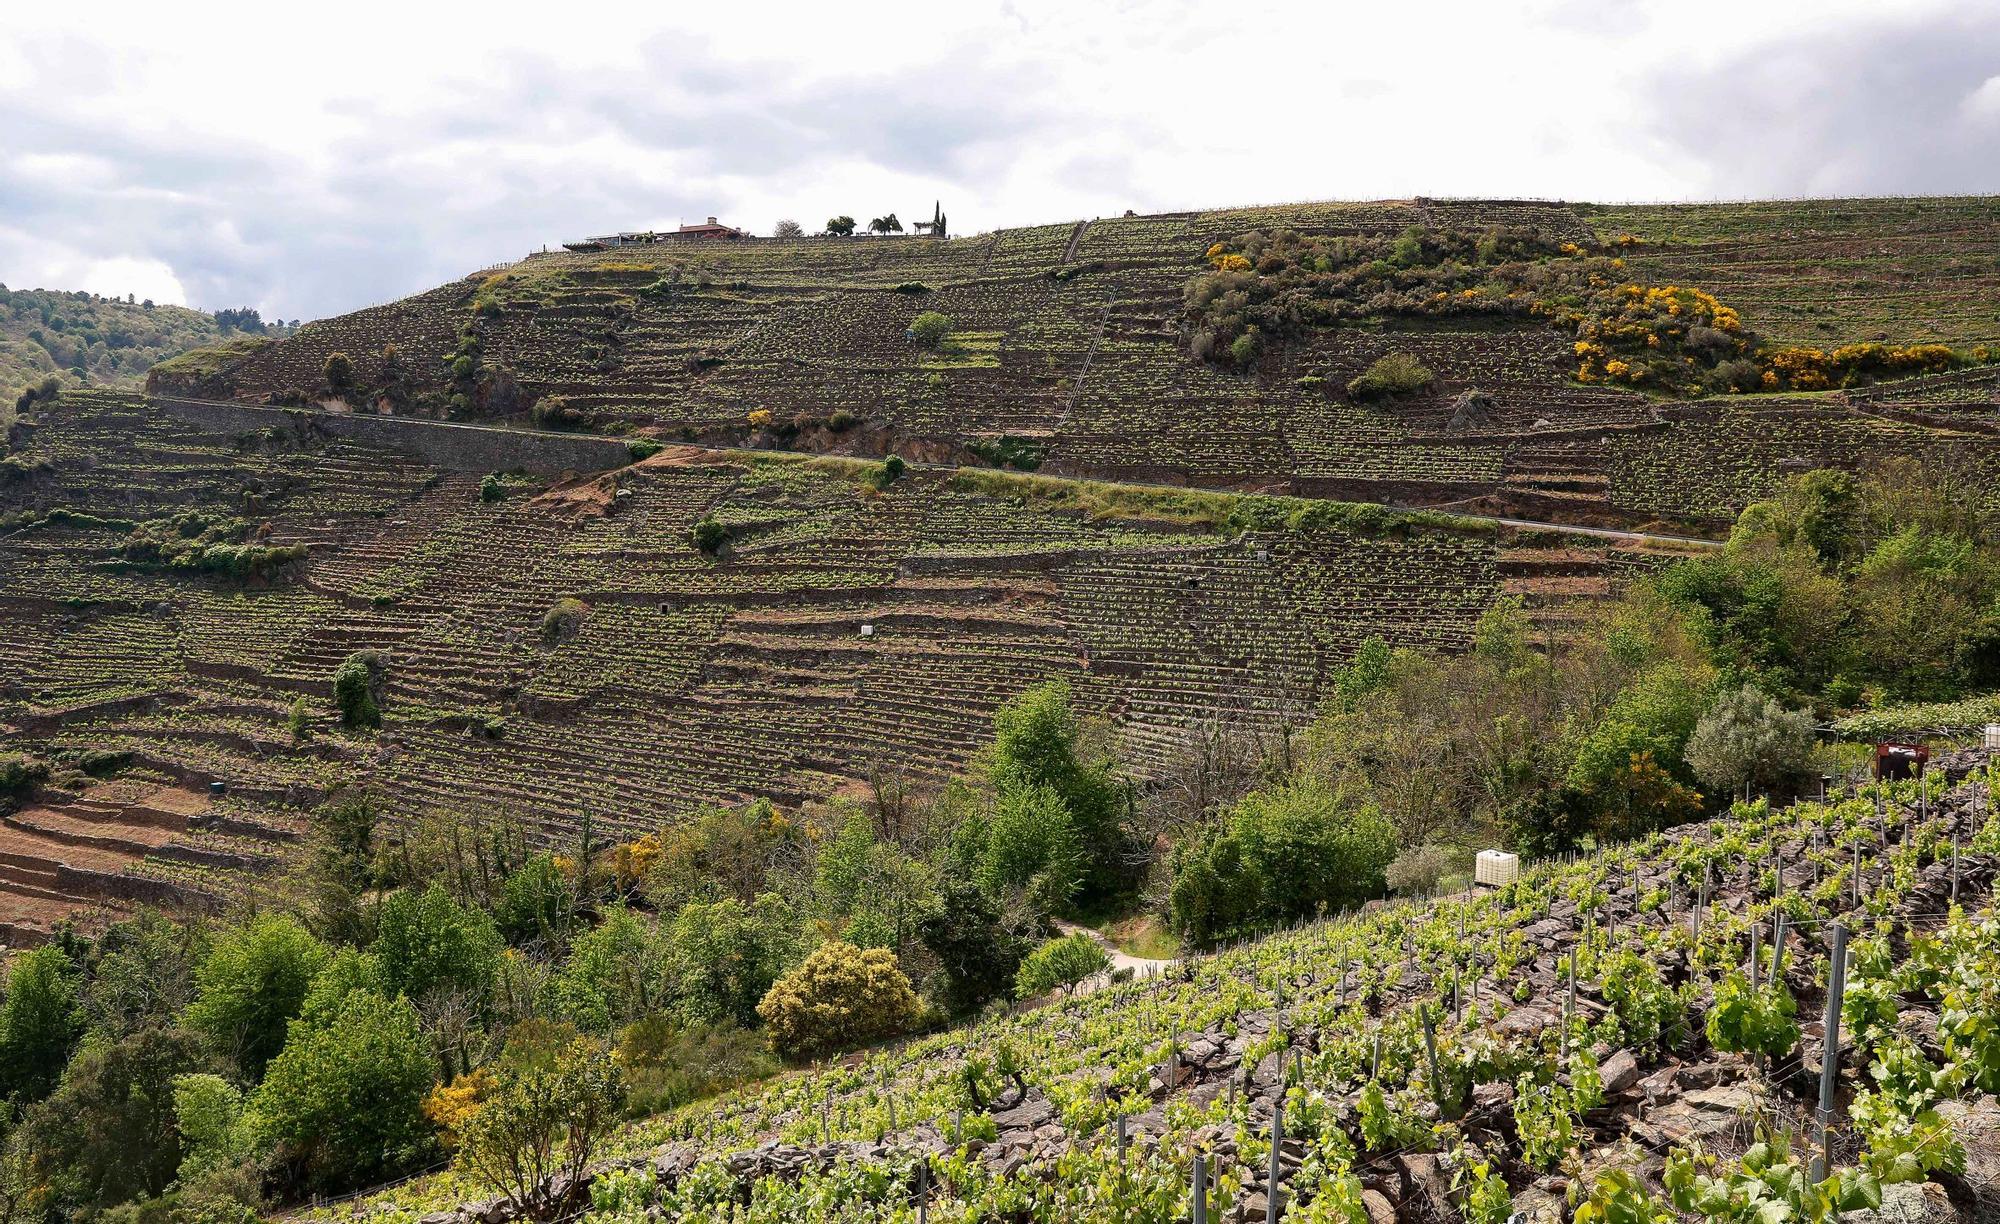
<point>445,444</point>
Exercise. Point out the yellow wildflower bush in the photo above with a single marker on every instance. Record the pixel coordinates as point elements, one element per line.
<point>631,860</point>
<point>450,1106</point>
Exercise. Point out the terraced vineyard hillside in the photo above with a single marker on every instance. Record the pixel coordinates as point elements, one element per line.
<point>1635,1035</point>
<point>839,634</point>
<point>1067,351</point>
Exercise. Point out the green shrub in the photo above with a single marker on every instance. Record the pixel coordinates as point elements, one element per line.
<point>490,488</point>
<point>668,1066</point>
<point>1277,856</point>
<point>888,472</point>
<point>339,371</point>
<point>839,998</point>
<point>1747,736</point>
<point>841,421</point>
<point>1009,450</point>
<point>913,287</point>
<point>554,412</point>
<point>642,449</point>
<point>930,329</point>
<point>1059,964</point>
<point>354,684</point>
<point>18,773</point>
<point>534,901</point>
<point>710,534</point>
<point>1392,374</point>
<point>560,623</point>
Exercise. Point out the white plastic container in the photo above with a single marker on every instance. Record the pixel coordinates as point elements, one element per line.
<point>1993,737</point>
<point>1497,868</point>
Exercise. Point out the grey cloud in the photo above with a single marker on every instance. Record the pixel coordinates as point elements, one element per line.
<point>421,198</point>
<point>1869,109</point>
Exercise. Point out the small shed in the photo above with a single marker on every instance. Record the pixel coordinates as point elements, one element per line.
<point>1993,737</point>
<point>1895,761</point>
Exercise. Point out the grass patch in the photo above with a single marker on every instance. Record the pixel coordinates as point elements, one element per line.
<point>1224,513</point>
<point>967,350</point>
<point>213,358</point>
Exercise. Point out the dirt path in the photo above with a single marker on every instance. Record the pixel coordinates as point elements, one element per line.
<point>1141,967</point>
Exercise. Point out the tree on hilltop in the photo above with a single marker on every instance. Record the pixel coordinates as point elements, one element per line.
<point>886,225</point>
<point>842,226</point>
<point>788,228</point>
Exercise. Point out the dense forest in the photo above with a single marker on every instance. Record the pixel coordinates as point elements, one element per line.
<point>416,991</point>
<point>51,339</point>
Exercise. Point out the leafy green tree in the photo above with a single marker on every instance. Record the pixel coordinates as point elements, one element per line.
<point>614,974</point>
<point>344,1100</point>
<point>344,972</point>
<point>975,950</point>
<point>354,692</point>
<point>1628,766</point>
<point>1059,964</point>
<point>251,985</point>
<point>108,1134</point>
<point>1747,737</point>
<point>142,974</point>
<point>542,1126</point>
<point>339,371</point>
<point>209,1113</point>
<point>534,901</point>
<point>338,867</point>
<point>40,1021</point>
<point>427,941</point>
<point>842,225</point>
<point>726,955</point>
<point>838,998</point>
<point>1029,841</point>
<point>1279,855</point>
<point>1040,743</point>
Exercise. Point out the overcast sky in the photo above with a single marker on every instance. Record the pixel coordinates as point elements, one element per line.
<point>307,160</point>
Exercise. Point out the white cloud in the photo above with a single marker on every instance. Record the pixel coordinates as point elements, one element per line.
<point>125,274</point>
<point>305,165</point>
<point>1982,105</point>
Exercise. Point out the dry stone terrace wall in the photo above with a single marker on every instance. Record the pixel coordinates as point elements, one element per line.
<point>448,445</point>
<point>694,678</point>
<point>1068,340</point>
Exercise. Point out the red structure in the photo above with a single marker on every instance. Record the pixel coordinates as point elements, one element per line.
<point>1894,760</point>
